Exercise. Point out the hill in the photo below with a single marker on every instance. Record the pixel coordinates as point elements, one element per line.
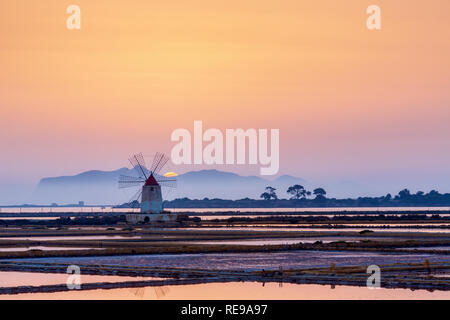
<point>100,187</point>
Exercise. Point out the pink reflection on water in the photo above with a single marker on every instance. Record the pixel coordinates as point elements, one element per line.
<point>238,290</point>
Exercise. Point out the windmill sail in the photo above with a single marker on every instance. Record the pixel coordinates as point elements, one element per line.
<point>138,163</point>
<point>128,181</point>
<point>159,162</point>
<point>170,182</point>
<point>148,198</point>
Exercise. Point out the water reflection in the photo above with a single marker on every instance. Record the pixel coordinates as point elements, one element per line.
<point>243,291</point>
<point>360,228</point>
<point>251,261</point>
<point>70,238</point>
<point>260,242</point>
<point>109,209</point>
<point>15,279</point>
<point>45,248</point>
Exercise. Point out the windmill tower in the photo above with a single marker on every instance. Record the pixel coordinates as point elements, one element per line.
<point>151,196</point>
<point>150,193</point>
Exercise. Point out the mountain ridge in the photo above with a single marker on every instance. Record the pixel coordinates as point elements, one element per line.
<point>101,187</point>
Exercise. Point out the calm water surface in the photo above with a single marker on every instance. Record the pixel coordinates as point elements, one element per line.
<point>260,242</point>
<point>361,228</point>
<point>44,248</point>
<point>239,290</point>
<point>70,238</point>
<point>251,261</point>
<point>205,210</point>
<point>15,279</point>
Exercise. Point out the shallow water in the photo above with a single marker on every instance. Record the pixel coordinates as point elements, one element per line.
<point>107,209</point>
<point>439,248</point>
<point>361,228</point>
<point>14,279</point>
<point>241,291</point>
<point>318,210</point>
<point>44,248</point>
<point>71,238</point>
<point>63,209</point>
<point>233,290</point>
<point>300,216</point>
<point>251,261</point>
<point>30,218</point>
<point>259,242</point>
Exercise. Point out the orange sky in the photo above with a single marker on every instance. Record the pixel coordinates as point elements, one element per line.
<point>349,102</point>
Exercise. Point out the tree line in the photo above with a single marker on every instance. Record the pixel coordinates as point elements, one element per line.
<point>300,197</point>
<point>296,192</point>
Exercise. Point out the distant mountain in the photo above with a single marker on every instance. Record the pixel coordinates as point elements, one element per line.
<point>100,187</point>
<point>93,187</point>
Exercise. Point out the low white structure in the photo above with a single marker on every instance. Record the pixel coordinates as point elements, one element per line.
<point>151,217</point>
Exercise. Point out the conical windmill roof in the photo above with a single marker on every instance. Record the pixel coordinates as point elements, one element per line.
<point>151,181</point>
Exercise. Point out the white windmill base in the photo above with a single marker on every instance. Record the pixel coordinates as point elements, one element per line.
<point>151,217</point>
<point>152,207</point>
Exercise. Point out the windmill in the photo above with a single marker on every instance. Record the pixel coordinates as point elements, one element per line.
<point>150,182</point>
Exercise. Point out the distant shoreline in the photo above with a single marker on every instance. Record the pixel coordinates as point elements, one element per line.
<point>268,206</point>
<point>117,213</point>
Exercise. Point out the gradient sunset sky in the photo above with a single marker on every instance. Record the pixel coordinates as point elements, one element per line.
<point>371,107</point>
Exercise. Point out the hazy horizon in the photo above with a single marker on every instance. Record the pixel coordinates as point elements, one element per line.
<point>23,194</point>
<point>355,107</point>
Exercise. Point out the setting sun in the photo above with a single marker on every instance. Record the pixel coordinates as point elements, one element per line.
<point>170,174</point>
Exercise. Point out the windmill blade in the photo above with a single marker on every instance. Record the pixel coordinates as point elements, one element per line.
<point>138,163</point>
<point>136,167</point>
<point>165,181</point>
<point>159,162</point>
<point>129,184</point>
<point>127,181</point>
<point>141,160</point>
<point>168,183</point>
<point>156,160</point>
<point>136,196</point>
<point>131,178</point>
